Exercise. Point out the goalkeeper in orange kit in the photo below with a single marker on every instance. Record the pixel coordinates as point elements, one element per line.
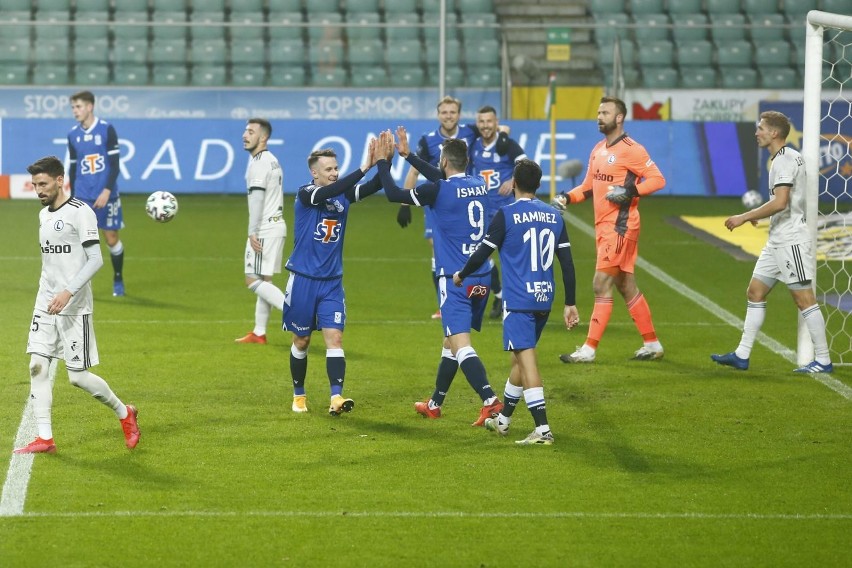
<point>620,172</point>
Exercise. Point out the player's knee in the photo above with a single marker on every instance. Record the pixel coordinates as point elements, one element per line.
<point>302,343</point>
<point>77,377</point>
<point>251,279</point>
<point>39,366</point>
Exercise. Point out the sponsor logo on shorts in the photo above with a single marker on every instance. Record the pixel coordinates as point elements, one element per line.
<point>477,291</point>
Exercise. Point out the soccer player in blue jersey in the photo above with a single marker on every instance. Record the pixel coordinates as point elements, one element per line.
<point>528,234</point>
<point>493,157</point>
<point>429,150</point>
<point>458,208</point>
<point>93,174</point>
<point>313,298</point>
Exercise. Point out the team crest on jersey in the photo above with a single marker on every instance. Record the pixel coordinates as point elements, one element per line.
<point>59,225</point>
<point>98,139</point>
<point>611,159</point>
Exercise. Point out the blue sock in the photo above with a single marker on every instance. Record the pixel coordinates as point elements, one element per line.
<point>474,372</point>
<point>511,398</point>
<point>298,369</point>
<point>335,366</point>
<point>446,373</point>
<point>536,406</point>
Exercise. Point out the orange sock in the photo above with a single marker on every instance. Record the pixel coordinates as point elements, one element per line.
<point>599,321</point>
<point>641,314</point>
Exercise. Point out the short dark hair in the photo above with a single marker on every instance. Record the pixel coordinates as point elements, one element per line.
<point>317,154</point>
<point>85,96</point>
<point>455,151</point>
<point>777,121</point>
<point>50,165</point>
<point>620,107</point>
<point>263,123</point>
<point>487,109</point>
<point>527,176</point>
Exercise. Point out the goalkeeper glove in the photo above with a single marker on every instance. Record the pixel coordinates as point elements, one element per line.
<point>560,202</point>
<point>403,216</point>
<point>620,194</point>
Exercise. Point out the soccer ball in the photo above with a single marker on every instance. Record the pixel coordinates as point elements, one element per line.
<point>161,206</point>
<point>752,199</point>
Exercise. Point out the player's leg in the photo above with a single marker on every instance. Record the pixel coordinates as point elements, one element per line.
<point>299,317</point>
<point>534,397</point>
<point>44,348</point>
<point>427,234</point>
<point>81,353</point>
<point>110,220</point>
<point>447,369</point>
<point>602,284</point>
<point>801,257</point>
<point>260,267</point>
<point>331,319</point>
<point>640,312</point>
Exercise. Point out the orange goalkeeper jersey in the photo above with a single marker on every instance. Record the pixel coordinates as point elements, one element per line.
<point>625,162</point>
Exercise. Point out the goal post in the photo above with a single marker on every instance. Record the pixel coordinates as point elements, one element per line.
<point>826,41</point>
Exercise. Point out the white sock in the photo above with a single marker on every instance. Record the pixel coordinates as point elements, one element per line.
<point>261,316</point>
<point>755,314</point>
<point>42,371</point>
<point>269,292</point>
<point>118,248</point>
<point>816,328</point>
<point>98,388</point>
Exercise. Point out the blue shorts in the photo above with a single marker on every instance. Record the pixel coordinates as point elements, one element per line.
<point>522,330</point>
<point>462,308</point>
<point>428,222</point>
<point>109,217</point>
<point>311,304</point>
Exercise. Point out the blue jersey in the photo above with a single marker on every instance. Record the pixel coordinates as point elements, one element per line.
<point>495,169</point>
<point>94,156</point>
<point>430,144</point>
<point>528,234</point>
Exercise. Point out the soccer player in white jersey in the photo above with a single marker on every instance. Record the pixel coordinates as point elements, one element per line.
<point>788,255</point>
<point>266,230</point>
<point>62,318</point>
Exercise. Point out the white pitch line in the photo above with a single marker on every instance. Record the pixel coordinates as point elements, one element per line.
<point>20,466</point>
<point>707,304</point>
<point>456,514</point>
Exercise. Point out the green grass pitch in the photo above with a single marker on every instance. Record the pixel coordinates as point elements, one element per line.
<point>672,463</point>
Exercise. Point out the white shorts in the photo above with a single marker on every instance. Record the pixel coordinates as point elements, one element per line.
<point>69,337</point>
<point>267,262</point>
<point>791,264</point>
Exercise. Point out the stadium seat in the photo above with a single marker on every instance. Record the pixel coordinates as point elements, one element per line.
<point>91,74</point>
<point>684,7</point>
<point>739,78</point>
<point>366,52</point>
<point>646,7</point>
<point>780,78</point>
<point>631,76</point>
<point>453,76</point>
<point>485,78</point>
<point>767,27</point>
<point>274,6</point>
<point>325,26</point>
<point>287,76</point>
<point>168,25</point>
<point>452,50</point>
<point>407,52</point>
<point>52,25</point>
<point>475,6</point>
<point>92,25</point>
<point>91,50</point>
<point>15,6</point>
<point>335,77</point>
<point>54,5</point>
<point>482,53</point>
<point>207,25</point>
<point>206,51</point>
<point>656,54</point>
<point>608,26</point>
<point>408,76</point>
<point>761,6</point>
<point>14,50</point>
<point>835,6</point>
<point>659,77</point>
<point>286,51</point>
<point>727,27</point>
<point>363,25</point>
<point>772,54</point>
<point>400,7</point>
<point>321,6</point>
<point>169,75</point>
<point>210,6</point>
<point>689,27</point>
<point>16,25</point>
<point>326,53</point>
<point>169,5</point>
<point>723,6</point>
<point>246,25</point>
<point>130,74</point>
<point>252,77</point>
<point>14,74</point>
<point>51,51</point>
<point>168,51</point>
<point>432,29</point>
<point>734,53</point>
<point>607,6</point>
<point>85,6</point>
<point>207,75</point>
<point>402,26</point>
<point>479,26</point>
<point>130,6</point>
<point>130,25</point>
<point>286,25</point>
<point>247,52</point>
<point>694,53</point>
<point>369,76</point>
<point>698,78</point>
<point>51,74</point>
<point>628,53</point>
<point>129,50</point>
<point>651,27</point>
<point>797,10</point>
<point>361,6</point>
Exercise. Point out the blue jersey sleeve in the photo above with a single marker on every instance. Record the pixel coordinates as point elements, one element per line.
<point>424,194</point>
<point>317,195</point>
<point>364,190</point>
<point>113,157</point>
<point>566,261</point>
<point>429,171</point>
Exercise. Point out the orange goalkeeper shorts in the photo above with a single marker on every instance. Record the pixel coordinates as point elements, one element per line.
<point>616,252</point>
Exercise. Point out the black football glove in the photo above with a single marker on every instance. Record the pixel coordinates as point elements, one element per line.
<point>620,194</point>
<point>403,216</point>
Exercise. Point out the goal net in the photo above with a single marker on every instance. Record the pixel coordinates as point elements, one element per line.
<point>827,150</point>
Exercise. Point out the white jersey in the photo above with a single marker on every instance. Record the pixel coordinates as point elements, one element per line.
<point>788,227</point>
<point>61,234</point>
<point>265,172</point>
